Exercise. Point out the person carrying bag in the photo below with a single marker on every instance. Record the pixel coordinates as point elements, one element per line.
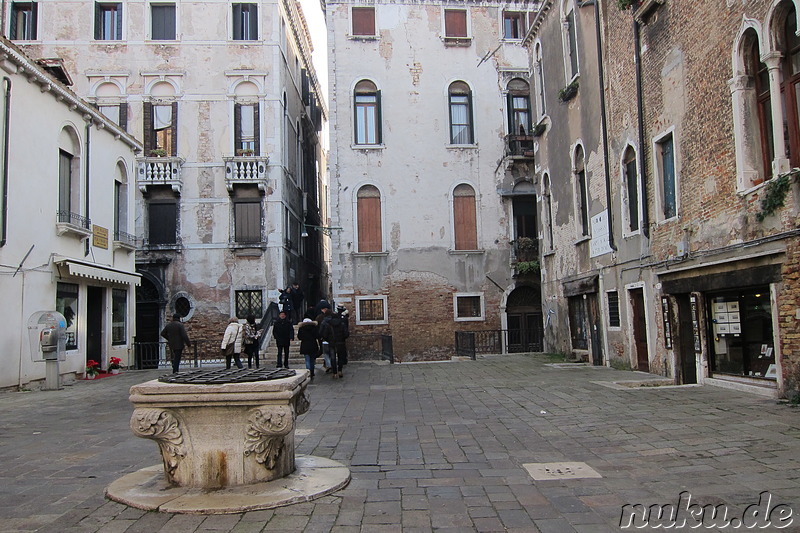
<point>232,343</point>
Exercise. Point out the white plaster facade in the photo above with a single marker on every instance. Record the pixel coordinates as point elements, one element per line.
<point>55,255</point>
<point>407,277</point>
<point>184,89</point>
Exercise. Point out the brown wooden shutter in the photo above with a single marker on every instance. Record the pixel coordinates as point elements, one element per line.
<point>237,127</point>
<point>369,224</point>
<point>363,20</point>
<point>149,134</point>
<point>123,115</point>
<point>455,23</point>
<point>465,221</point>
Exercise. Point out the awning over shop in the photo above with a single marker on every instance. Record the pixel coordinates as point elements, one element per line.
<point>88,270</point>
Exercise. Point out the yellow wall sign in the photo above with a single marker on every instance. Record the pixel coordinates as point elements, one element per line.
<point>100,236</point>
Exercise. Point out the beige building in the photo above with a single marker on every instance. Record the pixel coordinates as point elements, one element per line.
<point>430,168</point>
<point>66,211</point>
<point>227,103</point>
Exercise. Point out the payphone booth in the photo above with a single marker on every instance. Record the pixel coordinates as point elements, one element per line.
<point>48,341</point>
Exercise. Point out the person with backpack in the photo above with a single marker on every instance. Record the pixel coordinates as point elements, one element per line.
<point>251,338</point>
<point>327,335</point>
<point>283,333</point>
<point>344,332</point>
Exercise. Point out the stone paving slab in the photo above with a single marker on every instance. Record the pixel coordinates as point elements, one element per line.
<point>434,447</point>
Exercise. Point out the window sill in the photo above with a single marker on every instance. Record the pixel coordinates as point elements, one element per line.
<point>123,245</point>
<point>370,254</point>
<point>457,42</point>
<point>462,146</point>
<point>583,239</point>
<point>63,228</point>
<point>511,40</point>
<point>549,253</point>
<point>367,147</point>
<point>161,41</point>
<point>372,323</point>
<point>363,37</point>
<point>469,319</point>
<point>466,252</point>
<point>161,248</point>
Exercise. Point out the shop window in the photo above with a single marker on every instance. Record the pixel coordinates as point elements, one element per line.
<point>368,211</point>
<point>23,21</point>
<point>460,103</point>
<point>119,316</point>
<point>67,305</point>
<point>108,22</point>
<point>468,307</point>
<point>465,218</point>
<point>245,22</point>
<point>743,342</point>
<point>371,310</point>
<point>455,23</point>
<point>162,22</point>
<point>363,20</point>
<point>249,302</point>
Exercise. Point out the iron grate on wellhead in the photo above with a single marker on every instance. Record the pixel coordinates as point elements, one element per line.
<point>221,376</point>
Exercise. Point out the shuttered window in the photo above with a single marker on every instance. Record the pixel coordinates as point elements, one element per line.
<point>247,217</point>
<point>162,223</point>
<point>455,23</point>
<point>369,220</point>
<point>23,21</point>
<point>162,22</point>
<point>245,22</point>
<point>632,182</point>
<point>108,22</point>
<point>363,20</point>
<point>464,216</point>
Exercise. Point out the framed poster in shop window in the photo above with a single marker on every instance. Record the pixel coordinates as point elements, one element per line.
<point>666,315</point>
<point>695,324</point>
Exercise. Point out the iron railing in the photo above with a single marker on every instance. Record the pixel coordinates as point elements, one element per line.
<point>68,217</point>
<point>197,354</point>
<point>497,341</point>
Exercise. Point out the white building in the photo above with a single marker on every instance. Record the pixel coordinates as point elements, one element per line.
<point>65,213</point>
<point>225,98</point>
<point>430,167</point>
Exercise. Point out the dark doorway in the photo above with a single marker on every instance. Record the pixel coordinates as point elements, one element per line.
<point>684,350</point>
<point>594,330</point>
<point>94,323</point>
<point>525,327</point>
<point>639,330</point>
<point>148,321</point>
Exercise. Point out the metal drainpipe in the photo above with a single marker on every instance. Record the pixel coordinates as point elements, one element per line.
<point>640,110</point>
<point>603,124</point>
<point>87,167</point>
<point>6,143</point>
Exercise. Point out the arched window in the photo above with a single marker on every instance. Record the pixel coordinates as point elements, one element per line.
<point>547,204</point>
<point>631,188</point>
<point>464,218</point>
<point>581,194</point>
<point>570,36</point>
<point>758,72</point>
<point>69,205</point>
<point>367,104</point>
<point>519,107</point>
<point>368,212</point>
<point>539,81</point>
<point>791,84</point>
<point>121,204</point>
<point>460,103</point>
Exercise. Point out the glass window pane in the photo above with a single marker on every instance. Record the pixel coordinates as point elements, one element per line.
<point>67,305</point>
<point>119,311</point>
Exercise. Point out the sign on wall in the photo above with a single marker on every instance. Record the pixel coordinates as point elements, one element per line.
<point>99,237</point>
<point>599,244</point>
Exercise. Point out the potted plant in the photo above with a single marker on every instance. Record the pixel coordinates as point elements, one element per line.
<point>114,367</point>
<point>158,152</point>
<point>245,152</point>
<point>568,93</point>
<point>92,369</point>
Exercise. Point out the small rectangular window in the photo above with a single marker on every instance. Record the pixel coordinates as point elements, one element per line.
<point>162,22</point>
<point>249,302</point>
<point>513,25</point>
<point>119,313</point>
<point>108,22</point>
<point>363,20</point>
<point>246,129</point>
<point>666,155</point>
<point>455,23</point>
<point>162,223</point>
<point>245,22</point>
<point>468,307</point>
<point>371,310</point>
<point>613,309</point>
<point>23,21</point>
<point>67,305</point>
<point>247,217</point>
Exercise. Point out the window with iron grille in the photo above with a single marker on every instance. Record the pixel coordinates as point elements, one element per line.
<point>613,309</point>
<point>468,306</point>
<point>249,302</point>
<point>371,310</point>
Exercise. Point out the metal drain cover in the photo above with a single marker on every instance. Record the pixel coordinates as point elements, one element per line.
<point>549,471</point>
<point>217,377</point>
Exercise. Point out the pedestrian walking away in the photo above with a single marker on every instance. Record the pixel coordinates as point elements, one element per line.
<point>232,343</point>
<point>324,312</point>
<point>343,332</point>
<point>329,330</point>
<point>252,335</point>
<point>297,296</point>
<point>307,334</point>
<point>177,339</point>
<point>283,333</point>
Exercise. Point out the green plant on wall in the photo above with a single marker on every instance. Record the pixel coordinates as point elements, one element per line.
<point>625,4</point>
<point>527,267</point>
<point>568,93</point>
<point>775,194</point>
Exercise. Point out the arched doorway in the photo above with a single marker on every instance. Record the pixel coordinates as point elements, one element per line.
<point>149,306</point>
<point>525,326</point>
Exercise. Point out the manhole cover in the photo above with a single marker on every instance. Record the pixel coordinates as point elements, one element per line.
<point>548,471</point>
<point>220,376</point>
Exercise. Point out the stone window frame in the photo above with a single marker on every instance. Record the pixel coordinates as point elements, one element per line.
<point>375,297</point>
<point>569,33</point>
<point>580,180</point>
<point>458,295</point>
<point>364,9</point>
<point>538,83</point>
<point>659,175</point>
<point>456,219</point>
<point>547,212</point>
<point>627,229</point>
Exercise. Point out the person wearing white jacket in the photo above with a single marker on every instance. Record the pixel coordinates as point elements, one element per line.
<point>233,334</point>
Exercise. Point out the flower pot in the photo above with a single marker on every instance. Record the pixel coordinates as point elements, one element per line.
<point>114,370</point>
<point>91,376</point>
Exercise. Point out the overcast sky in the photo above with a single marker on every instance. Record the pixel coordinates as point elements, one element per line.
<point>316,25</point>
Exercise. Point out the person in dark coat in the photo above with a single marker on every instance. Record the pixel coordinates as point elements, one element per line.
<point>307,334</point>
<point>311,312</point>
<point>328,331</point>
<point>342,334</point>
<point>283,333</point>
<point>251,339</point>
<point>297,296</point>
<point>325,348</point>
<point>177,339</point>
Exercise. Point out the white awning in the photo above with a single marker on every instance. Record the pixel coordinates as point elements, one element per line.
<point>98,272</point>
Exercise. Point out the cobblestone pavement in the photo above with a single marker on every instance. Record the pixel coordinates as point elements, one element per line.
<point>431,447</point>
